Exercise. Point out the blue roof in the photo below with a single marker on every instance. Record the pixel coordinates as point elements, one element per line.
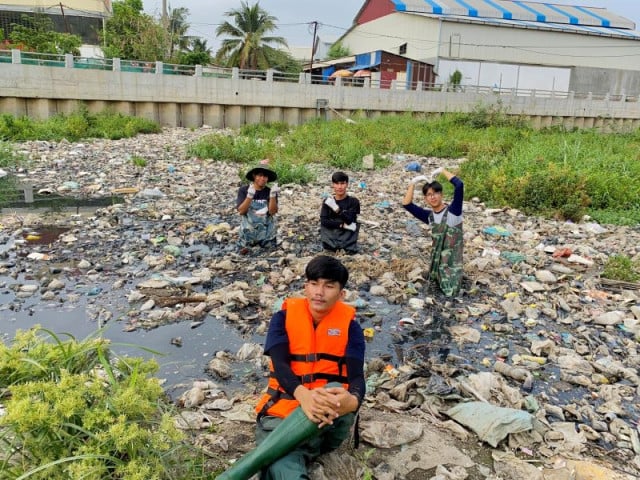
<point>563,27</point>
<point>518,10</point>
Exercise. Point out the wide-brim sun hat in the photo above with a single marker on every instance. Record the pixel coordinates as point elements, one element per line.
<point>271,175</point>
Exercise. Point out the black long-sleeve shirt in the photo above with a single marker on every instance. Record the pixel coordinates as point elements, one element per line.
<point>348,213</point>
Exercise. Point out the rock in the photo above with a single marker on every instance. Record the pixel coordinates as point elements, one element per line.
<point>55,285</point>
<point>84,264</point>
<point>192,398</point>
<point>609,318</point>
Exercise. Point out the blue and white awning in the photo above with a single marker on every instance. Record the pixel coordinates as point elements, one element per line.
<point>547,13</point>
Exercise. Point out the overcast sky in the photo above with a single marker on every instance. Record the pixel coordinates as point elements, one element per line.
<point>335,16</point>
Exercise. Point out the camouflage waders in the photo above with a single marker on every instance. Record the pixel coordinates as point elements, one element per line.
<point>446,256</point>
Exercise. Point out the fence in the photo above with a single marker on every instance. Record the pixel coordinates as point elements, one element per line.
<point>17,195</point>
<point>132,66</point>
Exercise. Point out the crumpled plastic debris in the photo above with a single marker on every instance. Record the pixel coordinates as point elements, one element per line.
<point>413,167</point>
<point>497,231</point>
<point>513,257</point>
<point>491,423</point>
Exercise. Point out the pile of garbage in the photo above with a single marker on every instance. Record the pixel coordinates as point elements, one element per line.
<point>532,372</point>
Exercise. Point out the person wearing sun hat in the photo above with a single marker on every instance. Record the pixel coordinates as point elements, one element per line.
<point>257,205</point>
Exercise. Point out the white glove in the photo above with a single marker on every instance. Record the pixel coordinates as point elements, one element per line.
<point>419,178</point>
<point>262,211</point>
<point>437,172</point>
<point>251,191</point>
<point>275,190</point>
<point>331,203</point>
<point>350,226</point>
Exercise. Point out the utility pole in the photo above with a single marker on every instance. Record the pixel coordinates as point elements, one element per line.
<point>165,15</point>
<point>313,46</point>
<point>64,19</point>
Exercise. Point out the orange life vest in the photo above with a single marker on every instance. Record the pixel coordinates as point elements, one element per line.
<point>317,354</point>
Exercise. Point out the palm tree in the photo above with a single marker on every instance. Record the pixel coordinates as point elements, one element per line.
<point>178,27</point>
<point>249,46</point>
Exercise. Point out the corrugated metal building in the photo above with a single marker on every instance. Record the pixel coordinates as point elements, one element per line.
<point>80,17</point>
<point>382,68</point>
<point>506,43</point>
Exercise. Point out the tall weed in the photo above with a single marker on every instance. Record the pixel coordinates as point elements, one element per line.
<point>73,410</point>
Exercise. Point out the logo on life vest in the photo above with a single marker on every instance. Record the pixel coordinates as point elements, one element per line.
<point>333,332</point>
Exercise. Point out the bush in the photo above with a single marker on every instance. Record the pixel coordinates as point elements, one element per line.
<point>74,412</point>
<point>270,130</point>
<point>556,191</point>
<point>230,148</point>
<point>138,161</point>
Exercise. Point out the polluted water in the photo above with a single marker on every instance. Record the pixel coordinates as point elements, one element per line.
<point>537,335</point>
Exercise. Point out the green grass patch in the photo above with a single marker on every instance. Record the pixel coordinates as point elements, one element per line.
<point>74,126</point>
<point>621,267</point>
<point>138,161</point>
<point>552,172</point>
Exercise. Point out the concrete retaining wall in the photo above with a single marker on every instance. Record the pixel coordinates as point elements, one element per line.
<point>191,101</point>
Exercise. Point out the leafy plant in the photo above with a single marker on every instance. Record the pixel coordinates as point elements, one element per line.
<point>37,34</point>
<point>248,42</point>
<point>455,78</point>
<point>231,148</point>
<point>337,50</point>
<point>552,191</point>
<point>133,35</point>
<point>73,410</point>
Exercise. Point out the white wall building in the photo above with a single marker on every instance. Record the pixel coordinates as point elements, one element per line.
<point>506,44</point>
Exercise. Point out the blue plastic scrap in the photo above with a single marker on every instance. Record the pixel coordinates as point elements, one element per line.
<point>498,231</point>
<point>413,167</point>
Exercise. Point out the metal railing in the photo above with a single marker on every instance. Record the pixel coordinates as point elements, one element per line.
<point>15,194</point>
<point>132,66</point>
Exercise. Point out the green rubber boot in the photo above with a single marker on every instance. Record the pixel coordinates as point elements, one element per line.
<point>292,431</point>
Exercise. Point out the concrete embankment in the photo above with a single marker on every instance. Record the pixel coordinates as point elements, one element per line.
<point>196,100</point>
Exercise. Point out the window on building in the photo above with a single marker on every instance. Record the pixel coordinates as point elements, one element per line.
<point>403,49</point>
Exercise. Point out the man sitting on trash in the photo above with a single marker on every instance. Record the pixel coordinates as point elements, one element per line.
<point>317,382</point>
<point>338,226</point>
<point>258,204</point>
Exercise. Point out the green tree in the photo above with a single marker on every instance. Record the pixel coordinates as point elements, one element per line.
<point>133,35</point>
<point>337,50</point>
<point>198,53</point>
<point>178,39</point>
<point>284,62</point>
<point>249,46</point>
<point>37,34</point>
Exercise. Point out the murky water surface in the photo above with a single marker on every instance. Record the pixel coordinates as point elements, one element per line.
<point>184,348</point>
